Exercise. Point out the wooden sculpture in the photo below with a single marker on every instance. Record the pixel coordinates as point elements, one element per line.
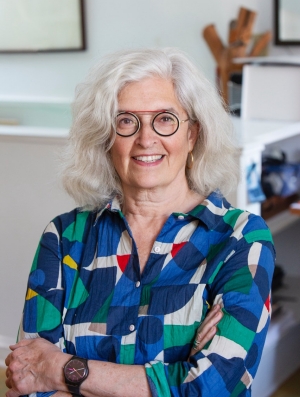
<point>239,37</point>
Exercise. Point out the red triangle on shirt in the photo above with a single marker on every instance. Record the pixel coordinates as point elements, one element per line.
<point>123,261</point>
<point>176,248</point>
<point>267,303</point>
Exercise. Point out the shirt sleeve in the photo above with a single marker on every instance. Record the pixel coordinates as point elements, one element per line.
<point>44,301</point>
<point>227,365</point>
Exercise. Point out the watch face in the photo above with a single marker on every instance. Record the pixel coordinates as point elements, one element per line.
<point>75,370</point>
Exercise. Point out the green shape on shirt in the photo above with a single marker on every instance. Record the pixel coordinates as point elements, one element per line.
<point>177,373</point>
<point>48,317</point>
<point>127,354</point>
<point>101,316</point>
<point>145,295</point>
<point>78,295</point>
<point>196,211</point>
<point>179,335</point>
<point>214,249</point>
<point>238,389</point>
<point>212,277</point>
<point>74,232</point>
<point>240,281</point>
<point>156,373</point>
<point>257,235</point>
<point>232,216</point>
<point>233,330</point>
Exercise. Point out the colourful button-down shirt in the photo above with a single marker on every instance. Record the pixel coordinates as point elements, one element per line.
<point>87,295</point>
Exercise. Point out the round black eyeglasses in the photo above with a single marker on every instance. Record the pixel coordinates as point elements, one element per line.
<point>163,123</point>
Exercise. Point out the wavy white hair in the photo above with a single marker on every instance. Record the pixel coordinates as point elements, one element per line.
<point>88,174</point>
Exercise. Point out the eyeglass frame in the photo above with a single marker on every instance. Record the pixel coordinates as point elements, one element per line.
<point>152,122</point>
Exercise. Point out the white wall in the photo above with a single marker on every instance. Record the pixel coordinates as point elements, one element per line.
<point>117,24</point>
<point>30,196</point>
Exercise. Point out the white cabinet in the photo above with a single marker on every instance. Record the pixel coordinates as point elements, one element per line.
<point>271,119</point>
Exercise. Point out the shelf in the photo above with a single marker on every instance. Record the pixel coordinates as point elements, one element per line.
<point>276,204</point>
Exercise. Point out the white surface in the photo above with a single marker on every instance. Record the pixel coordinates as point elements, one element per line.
<point>270,60</point>
<point>271,93</point>
<point>38,132</point>
<point>281,357</point>
<point>35,99</point>
<point>250,133</point>
<point>30,197</point>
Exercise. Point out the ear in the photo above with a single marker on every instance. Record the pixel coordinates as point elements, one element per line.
<point>193,134</point>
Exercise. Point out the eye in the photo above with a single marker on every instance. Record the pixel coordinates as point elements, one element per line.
<point>125,121</point>
<point>166,118</point>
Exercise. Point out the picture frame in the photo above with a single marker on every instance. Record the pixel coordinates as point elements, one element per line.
<point>287,22</point>
<point>28,26</point>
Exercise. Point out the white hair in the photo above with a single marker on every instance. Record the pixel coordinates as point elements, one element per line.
<point>88,174</point>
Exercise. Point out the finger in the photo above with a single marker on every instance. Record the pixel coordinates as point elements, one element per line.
<point>22,343</point>
<point>208,323</point>
<point>8,360</point>
<point>8,384</point>
<point>213,311</point>
<point>200,342</point>
<point>11,393</point>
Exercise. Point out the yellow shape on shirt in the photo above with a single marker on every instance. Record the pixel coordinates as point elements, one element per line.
<point>70,262</point>
<point>30,294</point>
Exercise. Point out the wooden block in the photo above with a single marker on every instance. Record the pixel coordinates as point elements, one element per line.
<point>260,44</point>
<point>214,42</point>
<point>232,34</point>
<point>245,24</point>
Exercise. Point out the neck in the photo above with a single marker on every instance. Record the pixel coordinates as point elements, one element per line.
<point>159,202</point>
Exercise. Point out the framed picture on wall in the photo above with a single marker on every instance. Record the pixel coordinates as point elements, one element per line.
<point>287,22</point>
<point>41,25</point>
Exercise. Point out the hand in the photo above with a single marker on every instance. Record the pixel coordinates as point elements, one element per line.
<point>207,329</point>
<point>34,365</point>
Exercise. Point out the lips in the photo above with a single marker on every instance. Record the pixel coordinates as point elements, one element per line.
<point>148,159</point>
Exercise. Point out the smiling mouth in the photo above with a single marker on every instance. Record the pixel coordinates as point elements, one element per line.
<point>148,159</point>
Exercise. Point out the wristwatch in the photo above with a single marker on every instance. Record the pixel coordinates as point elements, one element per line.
<point>76,371</point>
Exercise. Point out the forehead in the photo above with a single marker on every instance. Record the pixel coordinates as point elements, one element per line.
<point>151,93</point>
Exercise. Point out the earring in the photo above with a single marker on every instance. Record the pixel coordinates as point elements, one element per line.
<point>190,162</point>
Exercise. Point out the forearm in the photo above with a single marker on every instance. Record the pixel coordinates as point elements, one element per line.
<point>105,379</point>
<point>109,379</point>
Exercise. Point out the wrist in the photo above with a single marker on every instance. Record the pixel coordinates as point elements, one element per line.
<point>57,367</point>
<point>75,372</point>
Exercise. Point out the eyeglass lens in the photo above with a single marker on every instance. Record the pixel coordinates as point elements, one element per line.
<point>164,123</point>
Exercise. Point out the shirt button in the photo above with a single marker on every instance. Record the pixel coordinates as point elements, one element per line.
<point>137,284</point>
<point>156,249</point>
<point>131,327</point>
<point>180,217</point>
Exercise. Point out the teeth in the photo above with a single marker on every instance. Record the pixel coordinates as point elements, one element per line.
<point>148,159</point>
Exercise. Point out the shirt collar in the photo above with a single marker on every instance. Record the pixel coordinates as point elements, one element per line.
<point>210,211</point>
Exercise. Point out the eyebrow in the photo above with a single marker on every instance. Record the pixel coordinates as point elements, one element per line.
<point>172,110</point>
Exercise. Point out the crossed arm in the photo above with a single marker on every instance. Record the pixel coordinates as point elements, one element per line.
<point>36,364</point>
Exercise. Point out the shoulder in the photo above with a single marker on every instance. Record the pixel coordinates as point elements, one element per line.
<point>72,225</point>
<point>221,216</point>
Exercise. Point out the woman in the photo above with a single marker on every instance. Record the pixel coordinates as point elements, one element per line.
<point>125,280</point>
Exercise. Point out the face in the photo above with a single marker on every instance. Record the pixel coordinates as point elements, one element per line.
<point>147,160</point>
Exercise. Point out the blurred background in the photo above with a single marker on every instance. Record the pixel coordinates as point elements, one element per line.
<point>47,49</point>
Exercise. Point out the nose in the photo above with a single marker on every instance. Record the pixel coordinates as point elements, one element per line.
<point>146,136</point>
